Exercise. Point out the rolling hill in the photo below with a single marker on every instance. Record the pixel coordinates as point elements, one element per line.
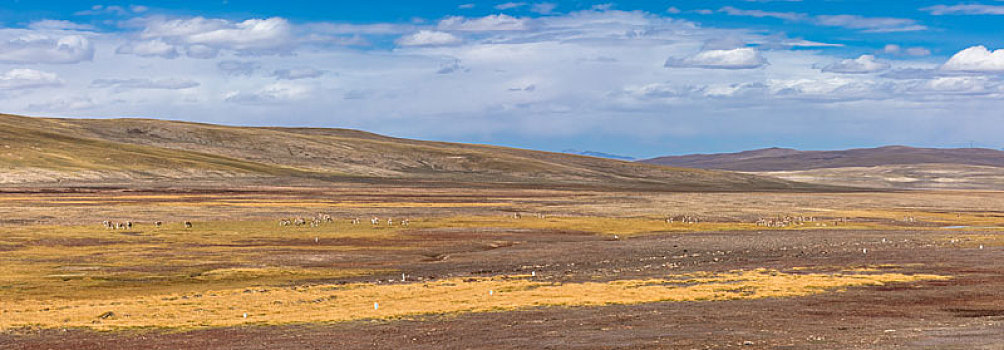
<point>786,159</point>
<point>891,167</point>
<point>129,151</point>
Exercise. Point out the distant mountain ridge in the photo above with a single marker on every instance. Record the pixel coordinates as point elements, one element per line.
<point>598,154</point>
<point>786,159</point>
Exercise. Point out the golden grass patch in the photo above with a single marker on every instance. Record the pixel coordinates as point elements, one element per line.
<point>593,224</point>
<point>335,303</point>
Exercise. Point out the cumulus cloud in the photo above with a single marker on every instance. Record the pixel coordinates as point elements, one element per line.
<point>500,22</point>
<point>23,78</point>
<point>297,73</point>
<point>834,88</point>
<point>965,85</point>
<point>428,38</point>
<point>861,65</point>
<point>976,59</point>
<point>203,37</point>
<point>145,83</point>
<point>36,48</point>
<point>740,58</point>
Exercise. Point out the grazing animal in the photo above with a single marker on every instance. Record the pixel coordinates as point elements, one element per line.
<point>355,221</point>
<point>128,224</point>
<point>375,220</point>
<point>390,222</point>
<point>158,224</point>
<point>188,224</point>
<point>405,222</point>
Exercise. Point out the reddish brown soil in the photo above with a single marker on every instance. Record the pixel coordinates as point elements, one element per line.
<point>966,312</point>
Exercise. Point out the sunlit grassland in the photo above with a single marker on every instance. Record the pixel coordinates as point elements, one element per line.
<point>90,261</point>
<point>334,303</point>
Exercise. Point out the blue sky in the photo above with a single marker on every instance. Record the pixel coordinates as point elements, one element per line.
<point>642,78</point>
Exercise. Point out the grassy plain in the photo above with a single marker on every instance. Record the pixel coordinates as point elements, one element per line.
<point>64,270</point>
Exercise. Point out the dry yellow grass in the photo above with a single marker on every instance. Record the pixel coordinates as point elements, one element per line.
<point>334,303</point>
<point>90,261</point>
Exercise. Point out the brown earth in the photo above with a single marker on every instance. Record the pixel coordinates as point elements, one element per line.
<point>966,312</point>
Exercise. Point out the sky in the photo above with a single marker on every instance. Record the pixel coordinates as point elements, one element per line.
<point>637,78</point>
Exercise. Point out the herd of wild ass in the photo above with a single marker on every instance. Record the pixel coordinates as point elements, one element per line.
<point>322,218</point>
<point>315,221</point>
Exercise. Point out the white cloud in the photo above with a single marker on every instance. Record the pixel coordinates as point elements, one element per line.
<point>960,85</point>
<point>499,22</point>
<point>36,48</point>
<point>976,59</point>
<point>428,38</point>
<point>544,8</point>
<point>918,51</point>
<point>203,37</point>
<point>236,68</point>
<point>833,88</point>
<point>103,10</point>
<point>23,78</point>
<point>297,73</point>
<point>514,77</point>
<point>276,93</point>
<point>63,104</point>
<point>603,7</point>
<point>56,24</point>
<point>509,5</point>
<point>145,83</point>
<point>202,51</point>
<point>911,51</point>
<point>791,16</point>
<point>673,10</point>
<point>865,24</point>
<point>451,67</point>
<point>870,24</point>
<point>861,65</point>
<point>252,34</point>
<point>740,58</point>
<point>965,9</point>
<point>465,6</point>
<point>148,48</point>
